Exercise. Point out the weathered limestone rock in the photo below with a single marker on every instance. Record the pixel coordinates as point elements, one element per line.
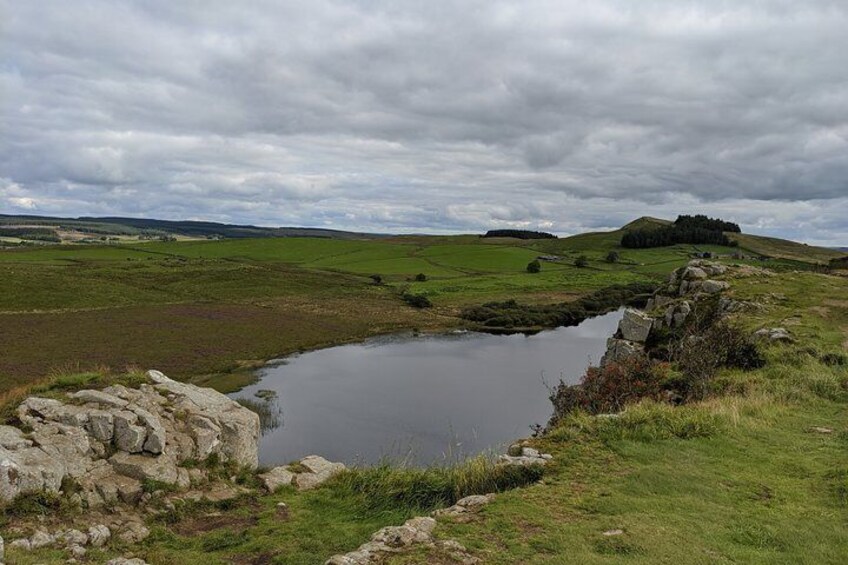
<point>320,471</point>
<point>466,505</point>
<point>635,325</point>
<point>129,437</point>
<point>396,539</point>
<point>13,438</point>
<point>72,537</point>
<point>713,287</point>
<point>676,314</point>
<point>125,561</point>
<point>415,530</point>
<point>207,435</point>
<point>774,334</point>
<point>134,532</point>
<point>99,535</point>
<point>77,551</point>
<point>101,425</point>
<point>619,349</point>
<point>142,467</point>
<point>657,301</point>
<point>40,539</point>
<point>154,429</point>
<point>155,432</point>
<point>2,550</point>
<point>711,268</point>
<point>239,426</point>
<point>692,273</point>
<point>99,397</point>
<point>22,544</point>
<point>276,478</point>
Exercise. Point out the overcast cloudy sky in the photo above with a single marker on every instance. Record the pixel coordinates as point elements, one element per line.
<point>430,115</point>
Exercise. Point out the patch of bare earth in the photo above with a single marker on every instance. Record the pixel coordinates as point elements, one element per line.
<point>260,559</point>
<point>214,521</point>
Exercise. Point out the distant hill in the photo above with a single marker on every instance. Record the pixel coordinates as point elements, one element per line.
<point>187,228</point>
<point>753,244</point>
<point>646,222</point>
<point>784,248</point>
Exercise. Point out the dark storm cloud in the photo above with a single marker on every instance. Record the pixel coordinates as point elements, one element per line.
<point>436,116</point>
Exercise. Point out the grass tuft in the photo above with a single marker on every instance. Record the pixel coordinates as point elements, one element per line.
<point>385,486</point>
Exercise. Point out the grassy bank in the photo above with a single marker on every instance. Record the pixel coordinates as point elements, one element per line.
<point>757,473</point>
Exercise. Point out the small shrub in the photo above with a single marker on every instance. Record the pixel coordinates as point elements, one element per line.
<point>34,504</point>
<point>377,279</point>
<point>152,485</point>
<point>417,300</point>
<point>420,277</point>
<point>581,261</point>
<point>612,257</point>
<point>700,356</point>
<point>534,266</point>
<point>611,387</point>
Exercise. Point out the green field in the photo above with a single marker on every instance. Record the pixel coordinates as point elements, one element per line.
<point>201,307</point>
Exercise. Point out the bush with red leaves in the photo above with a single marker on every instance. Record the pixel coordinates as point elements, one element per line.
<point>609,388</point>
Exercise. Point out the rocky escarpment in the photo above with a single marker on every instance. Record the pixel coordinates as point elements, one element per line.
<point>109,442</point>
<point>670,306</point>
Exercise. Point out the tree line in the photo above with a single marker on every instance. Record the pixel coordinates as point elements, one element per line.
<point>686,229</point>
<point>520,234</point>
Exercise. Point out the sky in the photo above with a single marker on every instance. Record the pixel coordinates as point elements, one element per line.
<point>429,116</point>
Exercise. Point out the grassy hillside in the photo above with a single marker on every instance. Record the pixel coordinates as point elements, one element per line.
<point>204,306</point>
<point>72,229</point>
<point>785,249</point>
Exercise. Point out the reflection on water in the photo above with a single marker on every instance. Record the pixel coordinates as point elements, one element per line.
<point>267,407</point>
<point>423,399</point>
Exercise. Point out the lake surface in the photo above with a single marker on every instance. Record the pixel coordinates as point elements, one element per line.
<point>425,399</point>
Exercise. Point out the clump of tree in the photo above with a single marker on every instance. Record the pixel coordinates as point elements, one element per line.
<point>581,261</point>
<point>520,234</point>
<point>32,234</point>
<point>420,277</point>
<point>703,222</point>
<point>612,257</point>
<point>534,266</point>
<point>686,229</point>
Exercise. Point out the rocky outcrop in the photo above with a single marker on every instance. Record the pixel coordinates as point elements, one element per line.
<point>635,325</point>
<point>774,335</point>
<point>524,456</point>
<point>670,306</point>
<point>390,540</point>
<point>110,441</point>
<point>633,330</point>
<point>308,473</point>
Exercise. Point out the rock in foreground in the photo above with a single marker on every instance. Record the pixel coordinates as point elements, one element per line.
<point>113,440</point>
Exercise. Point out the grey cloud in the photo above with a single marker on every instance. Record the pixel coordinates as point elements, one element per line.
<point>443,116</point>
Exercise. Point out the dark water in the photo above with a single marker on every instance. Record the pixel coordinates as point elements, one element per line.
<point>421,398</point>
